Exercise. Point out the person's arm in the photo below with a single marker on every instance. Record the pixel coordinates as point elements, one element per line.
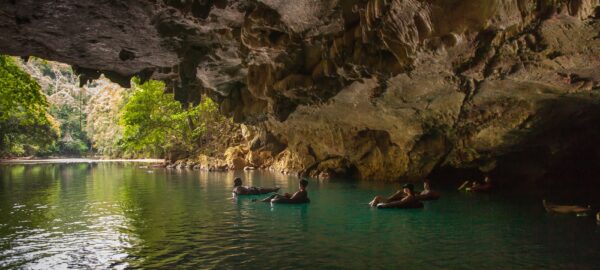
<point>397,196</point>
<point>299,195</point>
<point>408,198</point>
<point>268,199</point>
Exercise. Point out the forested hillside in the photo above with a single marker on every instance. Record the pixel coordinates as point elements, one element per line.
<point>47,113</point>
<point>67,103</point>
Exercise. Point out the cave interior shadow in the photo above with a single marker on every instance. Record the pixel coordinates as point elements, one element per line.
<point>558,157</point>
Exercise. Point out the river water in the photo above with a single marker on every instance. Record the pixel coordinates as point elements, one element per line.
<point>118,215</point>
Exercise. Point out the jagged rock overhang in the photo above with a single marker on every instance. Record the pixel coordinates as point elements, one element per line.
<point>448,88</point>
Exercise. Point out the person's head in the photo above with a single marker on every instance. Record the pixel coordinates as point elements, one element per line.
<point>408,188</point>
<point>426,185</point>
<point>303,184</point>
<point>237,182</point>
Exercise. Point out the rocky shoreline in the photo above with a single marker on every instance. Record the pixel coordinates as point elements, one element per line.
<point>76,160</point>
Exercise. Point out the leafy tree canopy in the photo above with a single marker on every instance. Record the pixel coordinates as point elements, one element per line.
<point>26,127</point>
<point>156,124</point>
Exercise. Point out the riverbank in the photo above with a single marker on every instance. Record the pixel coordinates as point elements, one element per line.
<point>75,160</point>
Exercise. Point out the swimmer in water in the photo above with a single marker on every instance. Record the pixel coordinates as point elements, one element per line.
<point>406,195</point>
<point>427,193</point>
<point>475,186</point>
<point>238,189</point>
<point>300,196</point>
<point>408,201</point>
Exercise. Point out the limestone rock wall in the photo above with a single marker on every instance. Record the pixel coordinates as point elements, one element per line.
<point>377,89</point>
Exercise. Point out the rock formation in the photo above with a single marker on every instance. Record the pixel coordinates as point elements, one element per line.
<point>377,89</point>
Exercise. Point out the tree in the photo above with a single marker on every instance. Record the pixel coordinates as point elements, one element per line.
<point>67,102</point>
<point>26,127</point>
<point>151,120</point>
<point>157,125</point>
<point>102,125</point>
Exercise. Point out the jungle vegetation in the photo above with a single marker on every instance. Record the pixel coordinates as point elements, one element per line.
<point>45,112</point>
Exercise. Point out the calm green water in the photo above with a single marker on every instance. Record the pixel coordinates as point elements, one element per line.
<point>121,216</point>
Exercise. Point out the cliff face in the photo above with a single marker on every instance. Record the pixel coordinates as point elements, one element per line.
<point>379,89</point>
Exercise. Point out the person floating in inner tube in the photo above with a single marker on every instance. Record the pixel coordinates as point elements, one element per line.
<point>238,189</point>
<point>408,201</point>
<point>301,196</point>
<point>427,193</point>
<point>475,186</point>
<point>406,195</point>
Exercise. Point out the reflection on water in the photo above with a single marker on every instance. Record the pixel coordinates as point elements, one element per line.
<point>115,215</point>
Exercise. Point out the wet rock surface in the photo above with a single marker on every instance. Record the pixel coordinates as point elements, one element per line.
<point>378,89</point>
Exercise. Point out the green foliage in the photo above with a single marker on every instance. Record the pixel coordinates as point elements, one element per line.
<point>141,122</point>
<point>156,125</point>
<point>75,147</point>
<point>149,119</point>
<point>72,123</point>
<point>102,125</point>
<point>25,125</point>
<point>67,104</point>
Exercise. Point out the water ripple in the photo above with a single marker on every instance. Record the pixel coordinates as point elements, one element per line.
<point>118,217</point>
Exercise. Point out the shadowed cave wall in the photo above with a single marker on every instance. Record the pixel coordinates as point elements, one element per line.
<point>380,90</point>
